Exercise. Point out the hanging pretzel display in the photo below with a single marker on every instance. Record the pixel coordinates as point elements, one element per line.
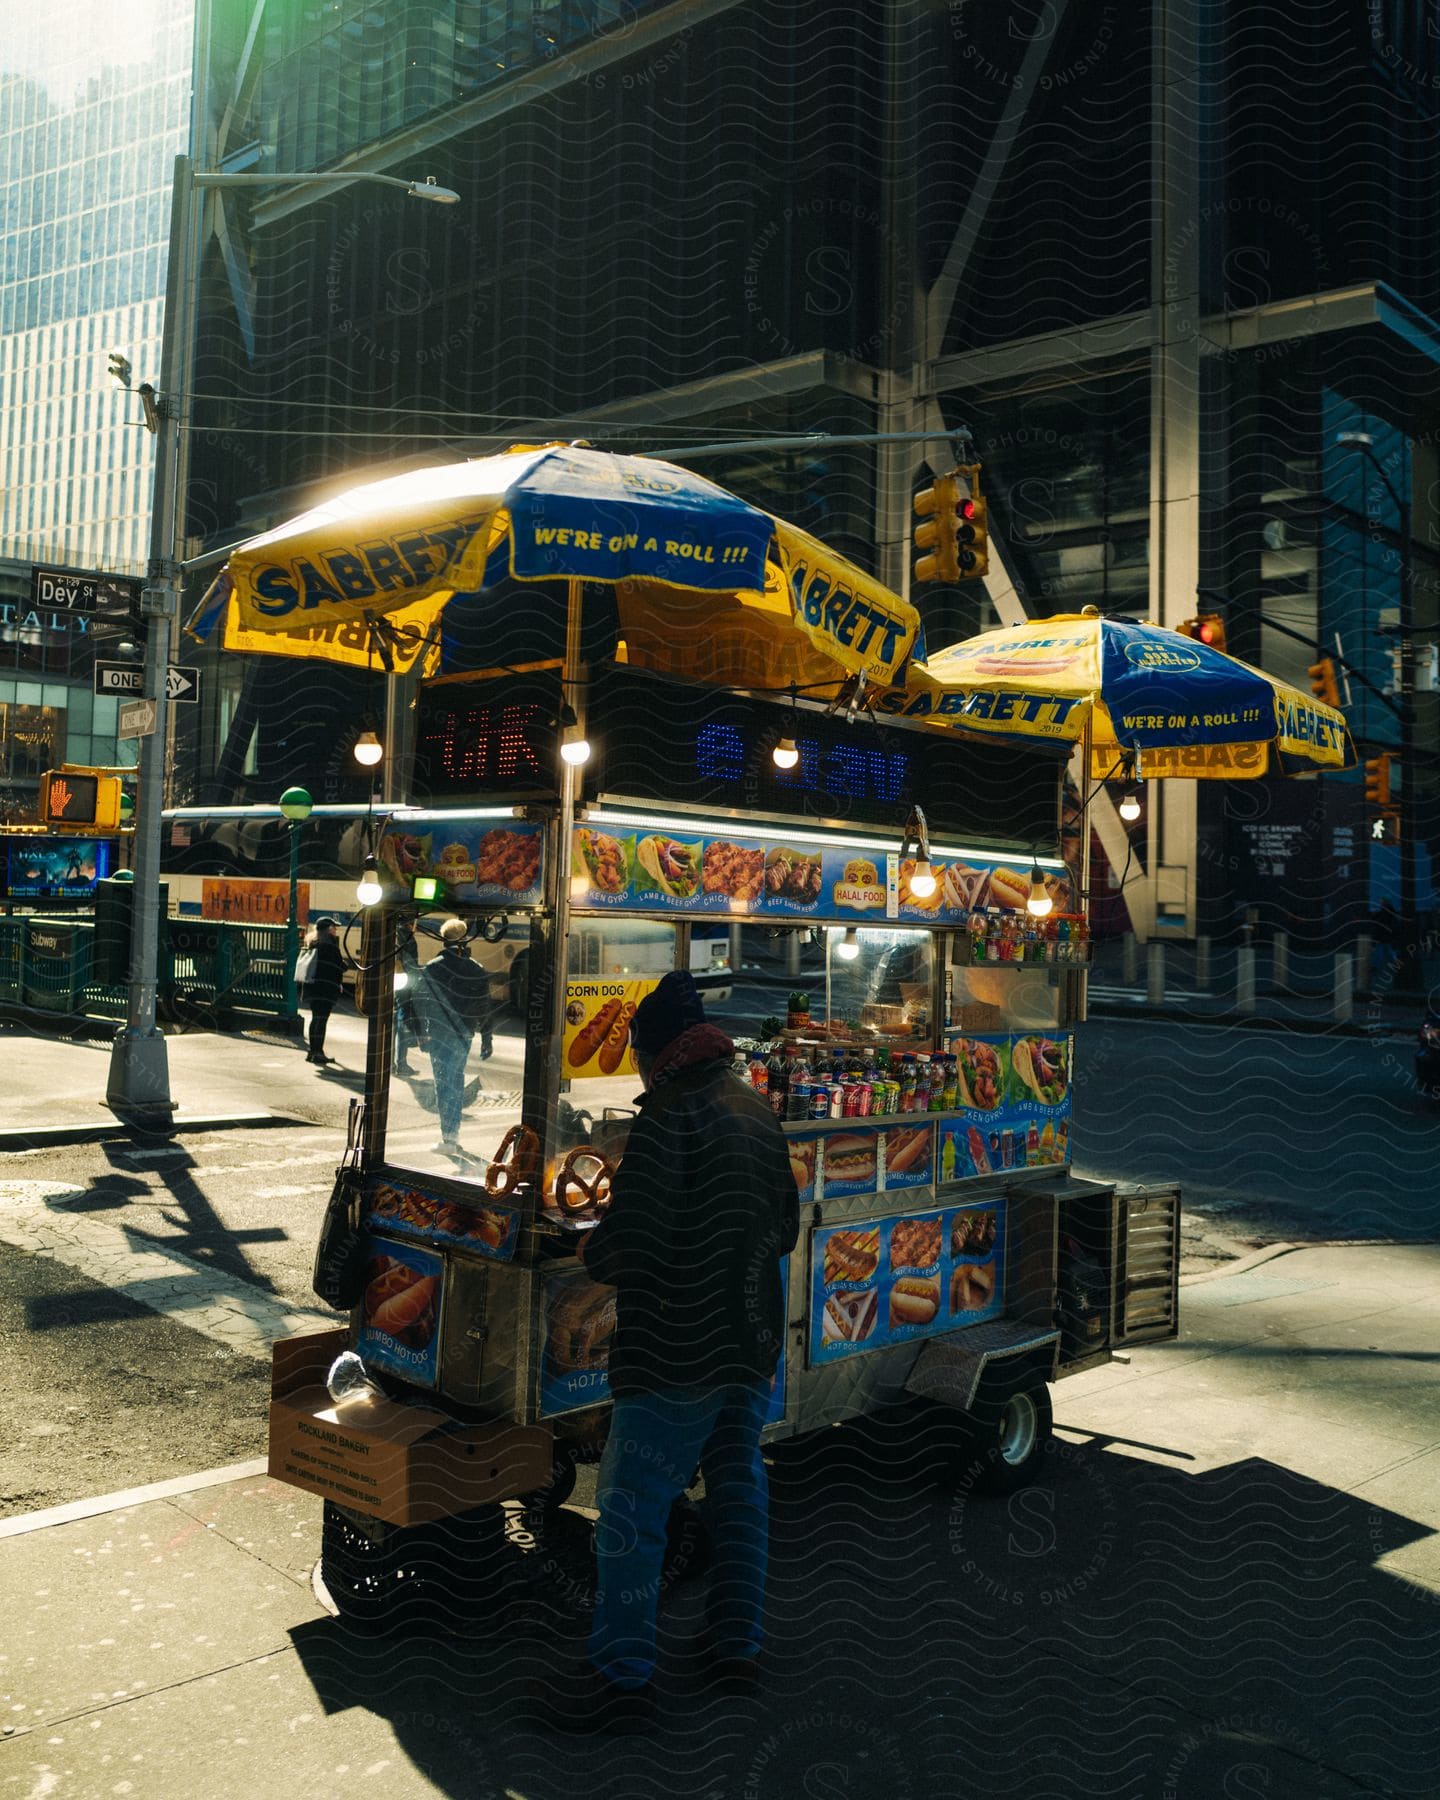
<point>513,1162</point>
<point>584,1180</point>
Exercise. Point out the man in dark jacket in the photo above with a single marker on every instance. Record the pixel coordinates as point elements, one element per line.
<point>454,1003</point>
<point>323,986</point>
<point>704,1206</point>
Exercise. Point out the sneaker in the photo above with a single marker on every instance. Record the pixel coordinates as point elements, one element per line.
<point>447,1147</point>
<point>582,1700</point>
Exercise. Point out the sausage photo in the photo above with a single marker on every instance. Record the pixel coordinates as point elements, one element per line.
<point>403,1309</point>
<point>612,1051</point>
<point>907,1148</point>
<point>590,1037</point>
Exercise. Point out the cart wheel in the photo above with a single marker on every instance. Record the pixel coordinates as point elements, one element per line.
<point>1008,1431</point>
<point>455,1573</point>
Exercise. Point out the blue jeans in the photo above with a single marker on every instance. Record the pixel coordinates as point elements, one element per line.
<point>655,1443</point>
<point>448,1057</point>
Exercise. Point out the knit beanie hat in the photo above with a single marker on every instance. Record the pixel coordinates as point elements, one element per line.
<point>673,1007</point>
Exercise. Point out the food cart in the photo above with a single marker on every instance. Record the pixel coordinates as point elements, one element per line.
<point>850,886</point>
<point>917,1046</point>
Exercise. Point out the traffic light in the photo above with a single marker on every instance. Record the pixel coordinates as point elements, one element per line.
<point>82,798</point>
<point>1377,782</point>
<point>1205,628</point>
<point>1385,829</point>
<point>975,514</point>
<point>938,507</point>
<point>1323,683</point>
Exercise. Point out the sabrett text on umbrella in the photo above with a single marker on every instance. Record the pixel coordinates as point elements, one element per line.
<point>383,565</point>
<point>1048,711</point>
<point>852,622</point>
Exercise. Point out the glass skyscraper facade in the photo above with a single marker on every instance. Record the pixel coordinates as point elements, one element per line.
<point>94,104</point>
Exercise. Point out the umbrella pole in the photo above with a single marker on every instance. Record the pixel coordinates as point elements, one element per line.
<point>1085,753</point>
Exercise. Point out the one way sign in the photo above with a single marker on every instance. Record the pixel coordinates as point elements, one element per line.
<point>182,681</point>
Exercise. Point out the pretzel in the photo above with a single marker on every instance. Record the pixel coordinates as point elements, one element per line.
<point>513,1162</point>
<point>574,1191</point>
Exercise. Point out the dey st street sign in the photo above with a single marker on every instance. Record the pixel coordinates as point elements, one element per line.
<point>80,591</point>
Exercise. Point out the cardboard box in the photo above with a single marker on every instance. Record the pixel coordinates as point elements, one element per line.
<point>404,1464</point>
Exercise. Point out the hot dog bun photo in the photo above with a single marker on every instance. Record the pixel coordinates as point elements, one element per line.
<point>914,1301</point>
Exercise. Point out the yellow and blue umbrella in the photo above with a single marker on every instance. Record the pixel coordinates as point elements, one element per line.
<point>1154,702</point>
<point>382,560</point>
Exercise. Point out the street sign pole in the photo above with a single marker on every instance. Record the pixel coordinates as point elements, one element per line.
<point>139,1083</point>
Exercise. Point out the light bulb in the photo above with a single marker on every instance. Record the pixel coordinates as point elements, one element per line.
<point>849,946</point>
<point>785,755</point>
<point>922,882</point>
<point>402,980</point>
<point>1038,903</point>
<point>368,750</point>
<point>1130,805</point>
<point>369,892</point>
<point>575,751</point>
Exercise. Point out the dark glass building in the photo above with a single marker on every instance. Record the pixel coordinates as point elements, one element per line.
<point>1154,261</point>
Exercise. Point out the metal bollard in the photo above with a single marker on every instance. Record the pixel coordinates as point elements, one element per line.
<point>1280,961</point>
<point>1130,959</point>
<point>1202,962</point>
<point>1154,973</point>
<point>1245,979</point>
<point>1344,1005</point>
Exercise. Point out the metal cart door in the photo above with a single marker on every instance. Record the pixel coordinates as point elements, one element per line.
<point>1146,1288</point>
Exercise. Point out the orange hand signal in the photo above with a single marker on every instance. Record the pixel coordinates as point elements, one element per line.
<point>61,795</point>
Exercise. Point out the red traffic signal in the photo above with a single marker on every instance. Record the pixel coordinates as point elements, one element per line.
<point>1205,628</point>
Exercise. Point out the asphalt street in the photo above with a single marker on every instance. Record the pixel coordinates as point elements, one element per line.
<point>121,1381</point>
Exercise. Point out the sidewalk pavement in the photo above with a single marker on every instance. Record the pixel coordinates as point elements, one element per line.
<point>1228,1573</point>
<point>218,1080</point>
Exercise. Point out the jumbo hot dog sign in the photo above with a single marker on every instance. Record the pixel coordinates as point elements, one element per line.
<point>597,1027</point>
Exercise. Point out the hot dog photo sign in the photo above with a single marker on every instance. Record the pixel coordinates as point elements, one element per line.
<point>889,1281</point>
<point>597,1027</point>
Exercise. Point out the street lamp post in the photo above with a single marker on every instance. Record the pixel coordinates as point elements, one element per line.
<point>139,1078</point>
<point>296,805</point>
<point>1407,970</point>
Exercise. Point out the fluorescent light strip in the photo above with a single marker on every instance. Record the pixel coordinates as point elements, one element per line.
<point>382,810</point>
<point>730,828</point>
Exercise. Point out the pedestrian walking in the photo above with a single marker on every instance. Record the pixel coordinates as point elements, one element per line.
<point>322,984</point>
<point>703,1207</point>
<point>407,1018</point>
<point>453,1003</point>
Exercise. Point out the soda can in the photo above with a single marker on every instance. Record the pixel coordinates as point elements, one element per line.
<point>836,1092</point>
<point>851,1102</point>
<point>819,1100</point>
<point>865,1100</point>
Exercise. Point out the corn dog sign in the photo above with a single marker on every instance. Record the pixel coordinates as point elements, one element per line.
<point>597,1027</point>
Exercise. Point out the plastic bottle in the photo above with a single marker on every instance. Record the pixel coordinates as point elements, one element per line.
<point>909,1078</point>
<point>759,1079</point>
<point>950,1093</point>
<point>947,1158</point>
<point>777,1087</point>
<point>992,940</point>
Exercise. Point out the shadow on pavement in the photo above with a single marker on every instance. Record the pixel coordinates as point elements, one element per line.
<point>1120,1627</point>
